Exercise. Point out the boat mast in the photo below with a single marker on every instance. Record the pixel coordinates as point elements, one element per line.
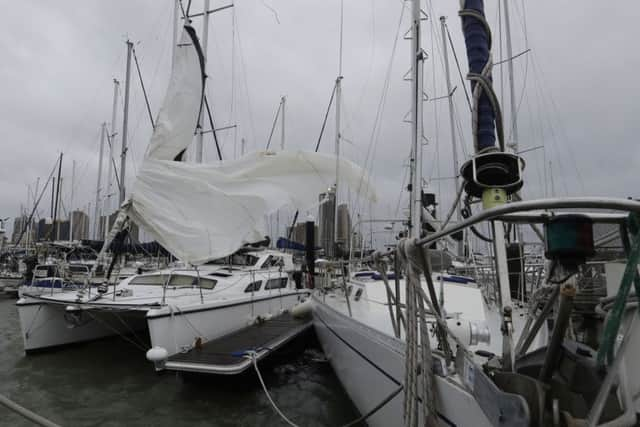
<point>417,59</point>
<point>176,14</point>
<point>96,215</point>
<point>512,93</point>
<point>337,148</point>
<point>73,179</point>
<point>54,228</point>
<point>110,161</point>
<point>283,101</point>
<point>512,97</point>
<point>205,38</point>
<point>125,121</point>
<point>454,143</point>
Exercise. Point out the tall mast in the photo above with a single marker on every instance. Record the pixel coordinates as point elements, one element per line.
<point>512,96</point>
<point>338,102</point>
<point>205,38</point>
<point>96,214</point>
<point>73,179</point>
<point>454,144</point>
<point>417,58</point>
<point>125,121</point>
<point>282,122</point>
<point>176,16</point>
<point>110,164</point>
<point>512,93</point>
<point>54,228</point>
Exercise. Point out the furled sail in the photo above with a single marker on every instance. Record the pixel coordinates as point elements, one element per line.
<point>200,212</point>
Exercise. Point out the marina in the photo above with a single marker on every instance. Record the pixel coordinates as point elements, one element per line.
<point>205,275</point>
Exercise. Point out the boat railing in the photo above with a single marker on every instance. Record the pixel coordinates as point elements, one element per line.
<point>177,270</point>
<point>565,289</point>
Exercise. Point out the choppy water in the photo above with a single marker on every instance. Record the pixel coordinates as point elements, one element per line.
<point>109,383</point>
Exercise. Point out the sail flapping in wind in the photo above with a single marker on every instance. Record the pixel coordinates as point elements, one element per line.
<point>201,212</point>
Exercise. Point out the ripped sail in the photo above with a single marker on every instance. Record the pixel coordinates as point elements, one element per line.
<point>201,212</point>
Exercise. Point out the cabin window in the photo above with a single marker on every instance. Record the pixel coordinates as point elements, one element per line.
<point>276,283</point>
<point>177,281</point>
<point>358,294</point>
<point>254,287</point>
<point>207,283</point>
<point>272,261</point>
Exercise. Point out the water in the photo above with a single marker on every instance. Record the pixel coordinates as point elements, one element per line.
<point>110,383</point>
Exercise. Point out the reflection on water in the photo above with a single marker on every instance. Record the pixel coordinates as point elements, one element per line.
<point>110,383</point>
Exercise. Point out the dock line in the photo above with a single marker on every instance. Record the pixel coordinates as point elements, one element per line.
<point>30,415</point>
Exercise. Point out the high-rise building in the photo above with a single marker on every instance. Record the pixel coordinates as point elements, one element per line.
<point>326,222</point>
<point>299,234</point>
<point>343,237</point>
<point>134,231</point>
<point>80,225</point>
<point>20,224</point>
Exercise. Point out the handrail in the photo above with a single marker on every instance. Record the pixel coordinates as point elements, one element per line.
<point>545,204</point>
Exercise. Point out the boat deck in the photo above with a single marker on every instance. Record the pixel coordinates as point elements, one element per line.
<point>226,355</point>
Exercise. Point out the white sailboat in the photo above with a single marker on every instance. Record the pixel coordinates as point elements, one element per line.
<point>202,214</point>
<point>510,360</point>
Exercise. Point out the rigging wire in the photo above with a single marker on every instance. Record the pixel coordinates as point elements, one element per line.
<point>273,127</point>
<point>243,72</point>
<point>455,56</point>
<point>326,116</point>
<point>213,128</point>
<point>144,91</point>
<point>375,131</point>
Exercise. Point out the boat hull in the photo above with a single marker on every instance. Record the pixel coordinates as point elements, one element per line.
<point>176,329</point>
<point>370,366</point>
<point>46,325</point>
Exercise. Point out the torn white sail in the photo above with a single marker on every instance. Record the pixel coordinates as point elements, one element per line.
<point>178,117</point>
<point>201,212</point>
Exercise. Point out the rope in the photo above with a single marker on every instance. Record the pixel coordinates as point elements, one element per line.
<point>24,412</point>
<point>417,349</point>
<point>251,354</point>
<point>453,207</point>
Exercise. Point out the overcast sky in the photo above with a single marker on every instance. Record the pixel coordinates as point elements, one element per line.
<point>577,89</point>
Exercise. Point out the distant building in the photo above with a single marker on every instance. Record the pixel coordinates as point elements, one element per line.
<point>326,220</point>
<point>20,224</point>
<point>80,225</point>
<point>343,237</point>
<point>299,234</point>
<point>134,231</point>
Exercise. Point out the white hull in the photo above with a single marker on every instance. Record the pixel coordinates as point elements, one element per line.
<point>370,366</point>
<point>10,282</point>
<point>49,325</point>
<point>174,329</point>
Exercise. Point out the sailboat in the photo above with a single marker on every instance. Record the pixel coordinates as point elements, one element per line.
<point>559,356</point>
<point>208,216</point>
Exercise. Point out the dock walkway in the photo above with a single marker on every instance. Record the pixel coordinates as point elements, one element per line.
<point>226,355</point>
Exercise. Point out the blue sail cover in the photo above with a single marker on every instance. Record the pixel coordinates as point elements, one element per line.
<point>477,43</point>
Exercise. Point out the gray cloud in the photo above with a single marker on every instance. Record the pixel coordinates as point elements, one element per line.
<point>579,98</point>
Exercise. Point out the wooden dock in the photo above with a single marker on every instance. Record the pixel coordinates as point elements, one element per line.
<point>227,355</point>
